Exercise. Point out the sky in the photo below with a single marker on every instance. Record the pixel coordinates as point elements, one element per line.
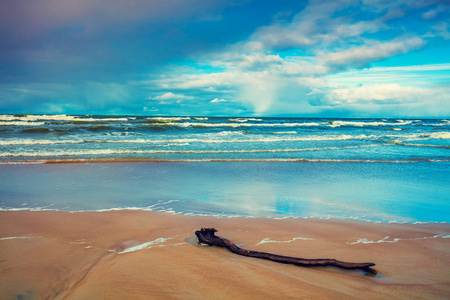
<point>337,58</point>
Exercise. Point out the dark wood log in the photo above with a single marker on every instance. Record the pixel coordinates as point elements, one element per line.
<point>207,236</point>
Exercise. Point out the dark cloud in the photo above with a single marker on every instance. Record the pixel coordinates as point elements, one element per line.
<point>107,40</point>
<point>98,40</point>
<point>109,56</point>
<point>76,47</point>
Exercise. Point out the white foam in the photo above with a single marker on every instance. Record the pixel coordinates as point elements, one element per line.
<point>439,135</point>
<point>119,209</point>
<point>145,245</point>
<point>363,124</point>
<point>21,162</point>
<point>79,242</point>
<point>16,237</point>
<point>37,142</point>
<point>268,240</point>
<point>437,124</point>
<point>186,141</point>
<point>81,152</point>
<point>422,136</point>
<point>163,203</point>
<point>170,119</point>
<point>239,120</point>
<point>285,132</point>
<point>421,145</point>
<point>41,208</point>
<point>240,140</point>
<point>32,118</point>
<point>21,123</point>
<point>239,124</point>
<point>394,240</point>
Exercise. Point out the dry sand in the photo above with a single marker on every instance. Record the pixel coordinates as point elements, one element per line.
<point>150,255</point>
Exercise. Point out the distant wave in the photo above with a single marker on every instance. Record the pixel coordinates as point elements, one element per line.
<point>244,123</point>
<point>164,120</point>
<point>371,123</point>
<point>38,120</point>
<point>53,137</point>
<point>37,142</point>
<point>185,140</point>
<point>77,152</point>
<point>33,118</point>
<point>400,139</point>
<point>243,120</point>
<point>438,135</point>
<point>237,124</point>
<point>21,123</point>
<point>422,145</point>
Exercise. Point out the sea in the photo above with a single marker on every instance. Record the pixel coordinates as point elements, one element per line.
<point>377,170</point>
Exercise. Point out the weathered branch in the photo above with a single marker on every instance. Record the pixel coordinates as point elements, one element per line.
<point>207,236</point>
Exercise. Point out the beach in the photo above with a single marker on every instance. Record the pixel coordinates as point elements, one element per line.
<point>106,207</point>
<point>224,150</point>
<point>123,254</point>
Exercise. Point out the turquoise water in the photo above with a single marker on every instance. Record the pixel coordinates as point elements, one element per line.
<point>38,138</point>
<point>367,169</point>
<point>380,192</point>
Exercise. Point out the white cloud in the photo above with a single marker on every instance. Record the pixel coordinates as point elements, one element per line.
<point>257,89</point>
<point>442,30</point>
<point>419,76</point>
<point>259,61</point>
<point>362,56</point>
<point>307,28</point>
<point>431,67</point>
<point>384,100</point>
<point>317,44</point>
<point>301,67</point>
<point>145,108</point>
<point>379,93</point>
<point>317,25</point>
<point>170,96</point>
<point>432,13</point>
<point>198,81</point>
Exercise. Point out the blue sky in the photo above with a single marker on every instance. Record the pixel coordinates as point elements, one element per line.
<point>340,58</point>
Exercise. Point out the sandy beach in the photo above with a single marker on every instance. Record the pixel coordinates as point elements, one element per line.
<point>136,254</point>
<point>311,132</point>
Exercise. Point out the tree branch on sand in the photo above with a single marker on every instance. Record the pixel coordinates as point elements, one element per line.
<point>207,236</point>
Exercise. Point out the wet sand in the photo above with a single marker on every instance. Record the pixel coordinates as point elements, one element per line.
<point>132,254</point>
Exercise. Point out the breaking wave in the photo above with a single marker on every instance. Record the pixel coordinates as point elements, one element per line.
<point>221,138</point>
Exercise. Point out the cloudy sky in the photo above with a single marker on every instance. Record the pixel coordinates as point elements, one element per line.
<point>337,58</point>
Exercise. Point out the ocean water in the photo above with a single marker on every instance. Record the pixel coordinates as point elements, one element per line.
<point>36,138</point>
<point>382,170</point>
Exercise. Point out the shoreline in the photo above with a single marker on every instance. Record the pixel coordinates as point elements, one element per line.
<point>141,254</point>
<point>231,160</point>
<point>370,192</point>
<point>219,216</point>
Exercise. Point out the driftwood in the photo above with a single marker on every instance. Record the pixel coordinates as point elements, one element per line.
<point>207,236</point>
